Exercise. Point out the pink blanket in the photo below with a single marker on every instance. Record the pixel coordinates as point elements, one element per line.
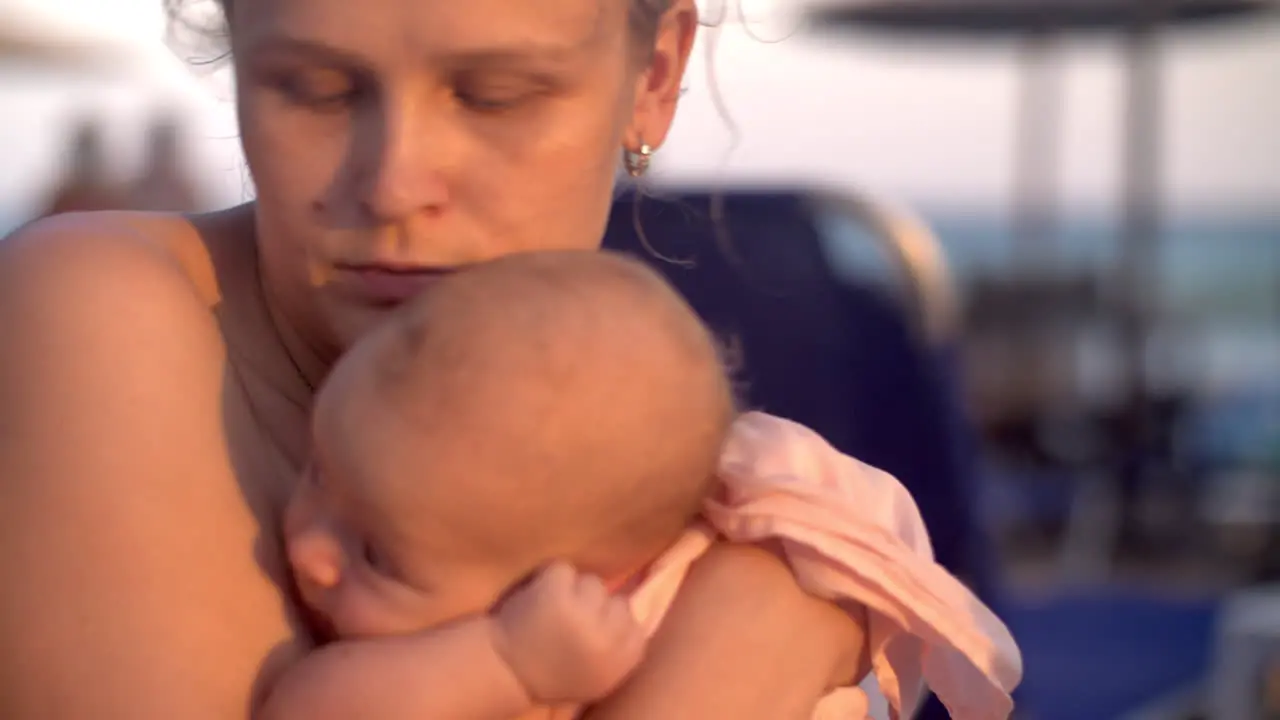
<point>851,532</point>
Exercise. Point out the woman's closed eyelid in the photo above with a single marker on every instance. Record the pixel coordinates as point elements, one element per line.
<point>502,87</point>
<point>318,90</point>
<point>319,87</point>
<point>491,103</point>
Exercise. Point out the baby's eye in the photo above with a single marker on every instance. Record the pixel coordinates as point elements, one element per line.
<point>375,559</point>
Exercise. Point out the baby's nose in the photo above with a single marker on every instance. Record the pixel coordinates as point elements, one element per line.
<point>316,558</point>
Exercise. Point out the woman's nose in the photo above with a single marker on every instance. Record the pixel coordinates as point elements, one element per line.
<point>404,153</point>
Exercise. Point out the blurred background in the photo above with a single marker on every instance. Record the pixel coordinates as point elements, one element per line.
<point>1029,253</point>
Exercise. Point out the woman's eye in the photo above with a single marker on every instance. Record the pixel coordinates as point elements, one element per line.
<point>489,101</point>
<point>324,90</point>
<point>492,92</point>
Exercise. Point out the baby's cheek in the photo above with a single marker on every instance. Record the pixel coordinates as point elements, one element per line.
<point>366,612</point>
<point>363,621</point>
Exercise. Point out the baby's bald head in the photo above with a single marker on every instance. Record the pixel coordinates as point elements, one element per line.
<point>568,404</point>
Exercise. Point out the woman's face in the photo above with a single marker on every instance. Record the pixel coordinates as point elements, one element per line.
<point>391,140</point>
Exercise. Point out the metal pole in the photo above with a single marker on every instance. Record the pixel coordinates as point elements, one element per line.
<point>1139,248</point>
<point>1036,151</point>
<point>1034,213</point>
<point>1140,221</point>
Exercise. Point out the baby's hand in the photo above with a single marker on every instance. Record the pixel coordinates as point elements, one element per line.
<point>567,638</point>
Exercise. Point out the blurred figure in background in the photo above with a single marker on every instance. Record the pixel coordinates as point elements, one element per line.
<point>166,183</point>
<point>86,184</point>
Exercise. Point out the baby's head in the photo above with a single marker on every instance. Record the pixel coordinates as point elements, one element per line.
<point>564,405</point>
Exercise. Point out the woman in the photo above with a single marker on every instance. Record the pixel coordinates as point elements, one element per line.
<point>159,370</point>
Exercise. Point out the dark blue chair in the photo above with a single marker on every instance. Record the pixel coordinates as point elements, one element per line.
<point>843,357</point>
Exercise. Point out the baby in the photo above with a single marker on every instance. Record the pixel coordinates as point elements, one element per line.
<point>512,474</point>
<point>493,469</point>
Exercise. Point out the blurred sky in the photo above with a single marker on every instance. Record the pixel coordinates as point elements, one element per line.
<point>930,124</point>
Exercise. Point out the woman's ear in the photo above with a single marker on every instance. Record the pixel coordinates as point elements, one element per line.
<point>658,86</point>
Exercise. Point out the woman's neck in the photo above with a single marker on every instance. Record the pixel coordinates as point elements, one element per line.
<point>310,365</point>
<point>278,372</point>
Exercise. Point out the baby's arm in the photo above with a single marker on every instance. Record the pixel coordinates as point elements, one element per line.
<point>562,639</point>
<point>454,671</point>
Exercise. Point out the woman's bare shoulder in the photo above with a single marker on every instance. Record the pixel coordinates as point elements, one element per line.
<point>73,285</point>
<point>130,551</point>
<point>151,248</point>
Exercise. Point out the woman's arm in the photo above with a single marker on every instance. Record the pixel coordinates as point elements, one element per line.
<point>126,545</point>
<point>741,642</point>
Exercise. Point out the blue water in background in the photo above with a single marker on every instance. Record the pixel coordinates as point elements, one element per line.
<point>1223,259</point>
<point>1218,281</point>
<point>1225,263</point>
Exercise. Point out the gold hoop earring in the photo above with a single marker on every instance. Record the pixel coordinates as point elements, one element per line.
<point>637,161</point>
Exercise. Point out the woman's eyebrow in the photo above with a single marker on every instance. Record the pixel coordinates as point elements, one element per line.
<point>515,54</point>
<point>508,55</point>
<point>286,45</point>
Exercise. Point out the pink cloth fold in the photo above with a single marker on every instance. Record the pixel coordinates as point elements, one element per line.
<point>852,533</point>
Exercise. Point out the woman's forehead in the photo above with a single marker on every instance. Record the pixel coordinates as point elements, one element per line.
<point>424,30</point>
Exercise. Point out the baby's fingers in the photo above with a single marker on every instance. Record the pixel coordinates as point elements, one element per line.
<point>628,651</point>
<point>621,627</point>
<point>589,591</point>
<point>557,575</point>
<point>616,614</point>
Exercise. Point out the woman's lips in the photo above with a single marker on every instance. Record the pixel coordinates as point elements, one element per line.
<point>386,285</point>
